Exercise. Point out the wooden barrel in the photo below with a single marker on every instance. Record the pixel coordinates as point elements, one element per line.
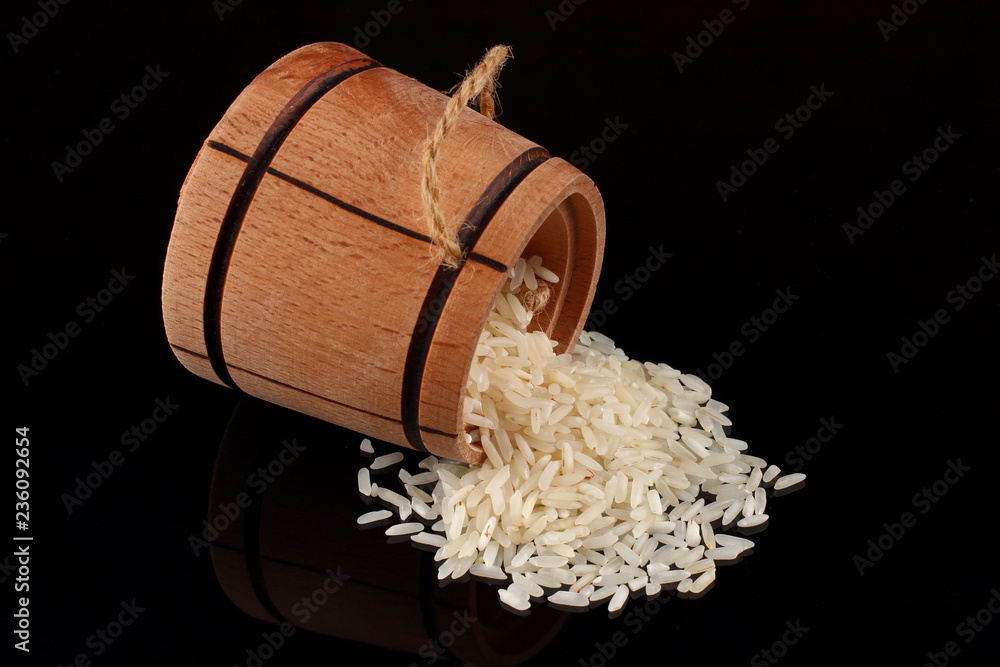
<point>288,550</point>
<point>300,269</point>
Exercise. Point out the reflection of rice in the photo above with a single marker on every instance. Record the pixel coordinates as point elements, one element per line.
<point>603,474</point>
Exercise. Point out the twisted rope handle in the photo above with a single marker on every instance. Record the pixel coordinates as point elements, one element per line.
<point>481,83</point>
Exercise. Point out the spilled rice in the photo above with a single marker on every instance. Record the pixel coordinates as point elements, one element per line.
<point>604,475</point>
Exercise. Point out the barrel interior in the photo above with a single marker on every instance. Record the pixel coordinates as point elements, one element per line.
<point>562,241</point>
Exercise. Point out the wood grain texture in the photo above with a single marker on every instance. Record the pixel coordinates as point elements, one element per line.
<point>324,293</point>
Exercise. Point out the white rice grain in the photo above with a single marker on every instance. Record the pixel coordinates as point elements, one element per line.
<point>789,480</point>
<point>364,482</point>
<point>386,460</point>
<point>430,539</point>
<point>569,599</point>
<point>751,521</point>
<point>618,599</point>
<point>512,599</point>
<point>404,528</point>
<point>372,517</point>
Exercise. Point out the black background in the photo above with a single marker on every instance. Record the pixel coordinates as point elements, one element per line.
<point>825,358</point>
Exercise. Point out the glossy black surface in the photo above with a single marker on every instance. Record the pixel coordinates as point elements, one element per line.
<point>821,366</point>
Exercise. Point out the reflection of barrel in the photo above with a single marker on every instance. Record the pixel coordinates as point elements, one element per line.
<point>300,267</point>
<point>295,552</point>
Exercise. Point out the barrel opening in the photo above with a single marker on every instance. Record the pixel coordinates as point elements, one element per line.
<point>561,241</point>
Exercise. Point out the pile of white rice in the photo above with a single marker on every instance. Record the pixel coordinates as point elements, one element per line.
<point>603,474</point>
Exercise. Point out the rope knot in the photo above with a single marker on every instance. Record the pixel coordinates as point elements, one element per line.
<point>534,300</point>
